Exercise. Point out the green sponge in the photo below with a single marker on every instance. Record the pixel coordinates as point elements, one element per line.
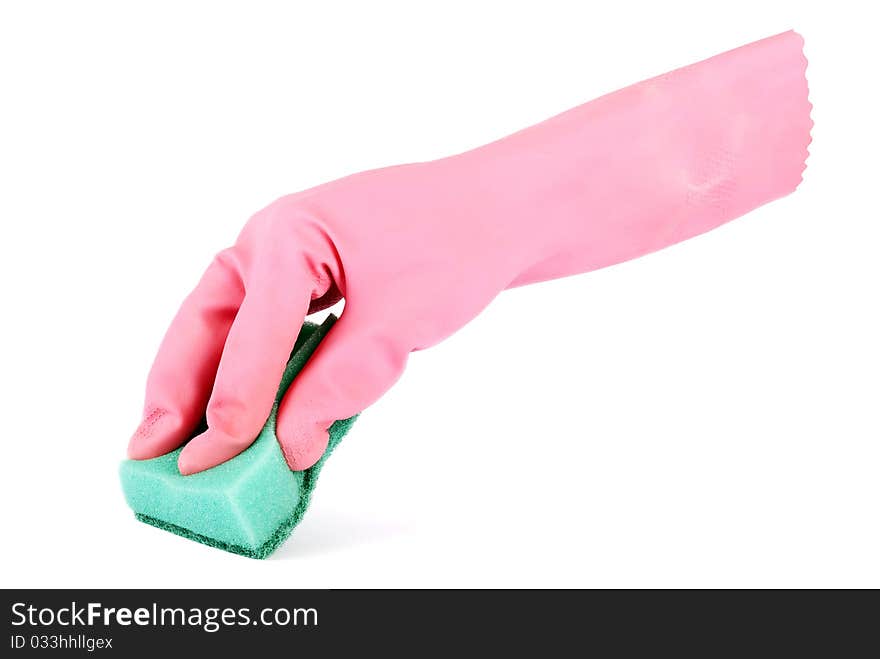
<point>248,505</point>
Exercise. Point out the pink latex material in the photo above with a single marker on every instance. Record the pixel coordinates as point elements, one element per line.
<point>418,250</point>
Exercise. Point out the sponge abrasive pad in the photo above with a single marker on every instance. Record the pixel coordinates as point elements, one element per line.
<point>248,505</point>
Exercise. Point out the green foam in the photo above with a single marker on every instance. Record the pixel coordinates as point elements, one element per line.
<point>248,505</point>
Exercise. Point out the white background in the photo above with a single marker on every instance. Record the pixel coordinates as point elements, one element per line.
<point>705,416</point>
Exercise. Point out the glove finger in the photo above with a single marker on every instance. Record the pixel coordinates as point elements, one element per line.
<point>180,379</point>
<point>253,361</point>
<point>355,364</point>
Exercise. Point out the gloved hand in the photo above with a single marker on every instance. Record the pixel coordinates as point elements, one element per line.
<point>418,250</point>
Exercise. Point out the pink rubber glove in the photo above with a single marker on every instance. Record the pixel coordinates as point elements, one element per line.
<point>418,250</point>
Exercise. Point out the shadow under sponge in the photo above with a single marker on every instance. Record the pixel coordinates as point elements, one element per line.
<point>248,505</point>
